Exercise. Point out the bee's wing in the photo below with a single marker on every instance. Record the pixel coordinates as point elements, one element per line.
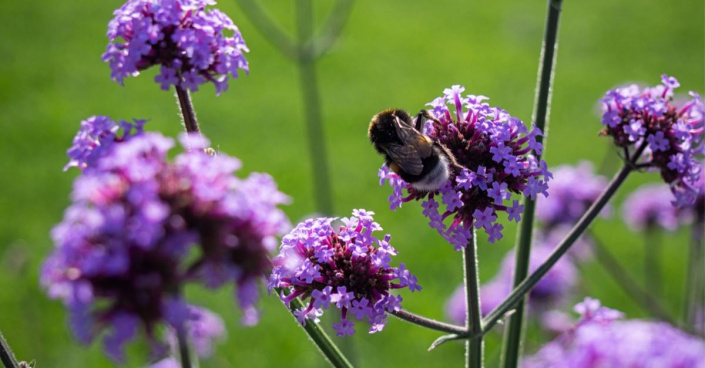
<point>412,137</point>
<point>406,157</point>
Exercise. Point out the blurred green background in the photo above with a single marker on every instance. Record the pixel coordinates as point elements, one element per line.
<point>391,54</point>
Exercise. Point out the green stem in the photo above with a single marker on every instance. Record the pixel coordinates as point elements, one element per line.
<point>522,289</point>
<point>6,356</point>
<point>474,346</point>
<point>652,264</point>
<point>632,288</point>
<point>188,114</point>
<point>695,279</point>
<point>428,322</point>
<point>270,30</point>
<point>183,347</point>
<point>309,91</point>
<point>515,326</point>
<point>332,28</point>
<point>316,334</point>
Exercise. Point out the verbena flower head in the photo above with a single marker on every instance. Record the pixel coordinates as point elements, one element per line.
<point>573,190</point>
<point>601,340</point>
<point>649,207</point>
<point>550,292</point>
<point>192,45</point>
<point>347,269</point>
<point>493,151</point>
<point>673,134</point>
<point>122,249</point>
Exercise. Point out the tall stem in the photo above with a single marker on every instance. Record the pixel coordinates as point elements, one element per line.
<point>183,347</point>
<point>309,92</point>
<point>652,261</point>
<point>188,114</point>
<point>515,326</point>
<point>6,356</point>
<point>474,345</point>
<point>695,279</point>
<point>525,286</point>
<point>632,288</point>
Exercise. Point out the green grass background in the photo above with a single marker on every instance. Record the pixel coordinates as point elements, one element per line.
<point>391,54</point>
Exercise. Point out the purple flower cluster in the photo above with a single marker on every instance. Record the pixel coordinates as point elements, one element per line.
<point>600,340</point>
<point>188,42</point>
<point>348,269</point>
<point>493,149</point>
<point>553,289</point>
<point>649,207</point>
<point>125,247</point>
<point>634,116</point>
<point>573,190</point>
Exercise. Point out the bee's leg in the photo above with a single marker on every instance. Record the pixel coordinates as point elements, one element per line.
<point>422,117</point>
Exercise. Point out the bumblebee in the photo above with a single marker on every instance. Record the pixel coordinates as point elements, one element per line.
<point>415,157</point>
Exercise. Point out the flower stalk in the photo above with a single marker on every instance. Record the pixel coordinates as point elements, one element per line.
<point>188,114</point>
<point>525,286</point>
<point>6,356</point>
<point>513,336</point>
<point>319,337</point>
<point>695,281</point>
<point>632,288</point>
<point>184,353</point>
<point>428,322</point>
<point>311,99</point>
<point>474,345</point>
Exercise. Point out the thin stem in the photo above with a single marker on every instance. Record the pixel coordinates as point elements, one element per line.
<point>188,114</point>
<point>652,264</point>
<point>319,338</point>
<point>332,28</point>
<point>309,92</point>
<point>695,279</point>
<point>6,356</point>
<point>429,323</point>
<point>632,288</point>
<point>270,30</point>
<point>473,346</point>
<point>542,103</point>
<point>522,289</point>
<point>183,347</point>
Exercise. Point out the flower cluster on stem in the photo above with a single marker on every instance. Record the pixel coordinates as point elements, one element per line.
<point>633,115</point>
<point>492,149</point>
<point>125,248</point>
<point>189,43</point>
<point>346,268</point>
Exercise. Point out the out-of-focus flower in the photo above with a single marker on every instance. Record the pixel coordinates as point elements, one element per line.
<point>169,362</point>
<point>551,291</point>
<point>634,116</point>
<point>121,255</point>
<point>188,42</point>
<point>601,340</point>
<point>649,207</point>
<point>492,149</point>
<point>202,327</point>
<point>573,190</point>
<point>347,269</point>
